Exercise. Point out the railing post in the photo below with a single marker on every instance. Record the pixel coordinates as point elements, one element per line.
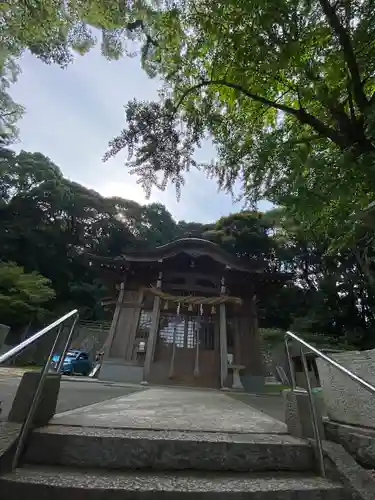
<point>34,402</point>
<point>314,418</point>
<point>67,343</point>
<point>313,411</point>
<point>290,363</point>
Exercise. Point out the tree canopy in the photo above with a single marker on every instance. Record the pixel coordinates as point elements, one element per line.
<point>49,224</point>
<point>56,32</point>
<point>10,112</point>
<point>286,89</point>
<point>22,295</point>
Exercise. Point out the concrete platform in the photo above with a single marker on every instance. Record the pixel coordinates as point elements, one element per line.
<point>174,409</point>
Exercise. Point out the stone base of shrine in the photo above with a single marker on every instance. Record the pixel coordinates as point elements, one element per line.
<point>116,370</point>
<point>183,376</point>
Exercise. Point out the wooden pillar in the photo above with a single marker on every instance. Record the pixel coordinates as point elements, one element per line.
<point>223,346</point>
<point>112,331</point>
<point>172,361</point>
<point>223,338</point>
<point>196,362</point>
<point>237,341</point>
<point>152,333</point>
<point>255,346</point>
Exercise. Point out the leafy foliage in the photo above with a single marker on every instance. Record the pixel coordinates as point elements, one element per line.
<point>286,91</point>
<point>22,295</point>
<point>49,224</point>
<point>55,31</point>
<point>10,112</point>
<point>160,147</point>
<point>332,294</point>
<point>244,234</point>
<point>52,29</point>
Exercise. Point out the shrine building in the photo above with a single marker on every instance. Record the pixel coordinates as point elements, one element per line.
<point>185,313</point>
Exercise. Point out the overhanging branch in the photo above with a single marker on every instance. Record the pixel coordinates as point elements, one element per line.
<point>306,140</point>
<point>301,114</point>
<point>348,52</point>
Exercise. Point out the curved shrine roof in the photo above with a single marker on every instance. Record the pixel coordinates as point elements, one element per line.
<point>195,248</point>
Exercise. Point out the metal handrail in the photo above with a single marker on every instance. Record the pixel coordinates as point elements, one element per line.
<point>332,362</point>
<point>38,392</point>
<point>31,340</point>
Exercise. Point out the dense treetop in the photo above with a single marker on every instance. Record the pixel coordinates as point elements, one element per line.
<point>285,89</point>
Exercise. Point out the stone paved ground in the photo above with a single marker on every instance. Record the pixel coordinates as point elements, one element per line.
<point>8,433</point>
<point>174,409</point>
<point>11,372</point>
<point>79,392</point>
<point>272,405</point>
<point>73,393</point>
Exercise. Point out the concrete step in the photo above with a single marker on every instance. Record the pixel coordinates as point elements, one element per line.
<point>36,483</point>
<point>167,450</point>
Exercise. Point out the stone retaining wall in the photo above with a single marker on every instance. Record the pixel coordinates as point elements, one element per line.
<point>346,401</point>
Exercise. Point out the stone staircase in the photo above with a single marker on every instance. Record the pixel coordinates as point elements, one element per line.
<point>83,463</point>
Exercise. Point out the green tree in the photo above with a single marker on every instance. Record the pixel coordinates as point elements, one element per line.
<point>52,29</point>
<point>22,295</point>
<point>244,234</point>
<point>286,90</point>
<point>154,226</point>
<point>10,112</point>
<point>55,32</point>
<point>191,229</point>
<point>330,295</point>
<point>50,225</point>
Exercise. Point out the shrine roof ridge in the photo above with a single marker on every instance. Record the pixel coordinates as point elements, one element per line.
<point>195,247</point>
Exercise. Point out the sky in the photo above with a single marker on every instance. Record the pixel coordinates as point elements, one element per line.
<point>72,114</point>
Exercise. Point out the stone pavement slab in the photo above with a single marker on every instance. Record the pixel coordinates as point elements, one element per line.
<point>9,432</point>
<point>174,409</point>
<point>73,394</point>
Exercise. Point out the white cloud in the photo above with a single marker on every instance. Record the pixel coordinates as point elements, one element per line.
<point>73,113</point>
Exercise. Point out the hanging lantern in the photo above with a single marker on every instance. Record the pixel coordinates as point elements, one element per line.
<point>201,309</point>
<point>190,308</point>
<point>166,305</point>
<point>178,309</point>
<point>213,310</point>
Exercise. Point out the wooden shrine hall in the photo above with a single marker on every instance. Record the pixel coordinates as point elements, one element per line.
<point>185,313</point>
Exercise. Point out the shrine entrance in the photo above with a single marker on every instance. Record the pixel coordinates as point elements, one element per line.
<point>187,350</point>
<point>184,313</point>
